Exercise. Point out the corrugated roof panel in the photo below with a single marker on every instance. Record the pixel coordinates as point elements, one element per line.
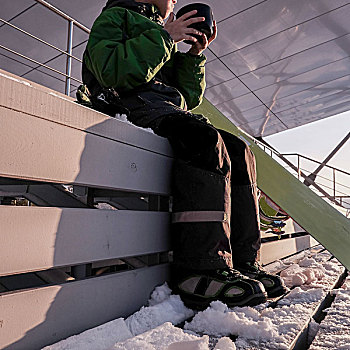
<point>290,44</point>
<point>276,64</point>
<point>267,19</point>
<point>9,9</point>
<point>302,62</point>
<point>309,95</point>
<point>225,92</point>
<point>217,73</point>
<point>223,9</point>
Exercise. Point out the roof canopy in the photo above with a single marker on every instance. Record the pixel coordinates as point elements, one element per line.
<point>276,64</point>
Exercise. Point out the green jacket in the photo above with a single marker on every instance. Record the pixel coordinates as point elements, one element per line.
<point>128,50</point>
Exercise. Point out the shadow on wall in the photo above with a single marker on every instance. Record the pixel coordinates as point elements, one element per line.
<point>64,310</point>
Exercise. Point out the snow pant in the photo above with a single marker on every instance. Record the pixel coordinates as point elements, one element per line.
<point>215,207</point>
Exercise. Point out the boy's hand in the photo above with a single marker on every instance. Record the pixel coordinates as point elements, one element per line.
<point>178,29</point>
<point>198,47</point>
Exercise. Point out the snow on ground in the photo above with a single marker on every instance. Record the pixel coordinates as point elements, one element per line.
<point>296,275</point>
<point>161,338</point>
<point>280,265</point>
<point>168,337</point>
<point>315,272</point>
<point>164,307</point>
<point>259,327</point>
<point>99,338</point>
<point>271,328</point>
<point>334,330</point>
<point>218,320</point>
<point>262,327</point>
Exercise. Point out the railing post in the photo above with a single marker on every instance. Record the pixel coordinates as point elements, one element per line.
<point>334,183</point>
<point>313,175</point>
<point>298,167</point>
<point>69,57</point>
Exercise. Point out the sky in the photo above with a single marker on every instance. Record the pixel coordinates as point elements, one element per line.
<point>316,140</point>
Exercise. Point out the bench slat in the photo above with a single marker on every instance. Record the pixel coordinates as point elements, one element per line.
<point>36,238</point>
<point>34,318</point>
<point>41,150</point>
<point>39,101</point>
<point>271,251</point>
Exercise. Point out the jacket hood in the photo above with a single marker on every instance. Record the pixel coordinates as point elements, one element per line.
<point>129,4</point>
<point>148,10</point>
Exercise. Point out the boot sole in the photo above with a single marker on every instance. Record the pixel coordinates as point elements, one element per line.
<point>253,300</point>
<point>277,292</point>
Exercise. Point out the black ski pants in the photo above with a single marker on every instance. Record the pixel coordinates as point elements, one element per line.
<point>215,208</point>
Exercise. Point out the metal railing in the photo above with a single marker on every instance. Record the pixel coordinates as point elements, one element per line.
<point>68,53</point>
<point>332,191</point>
<point>336,196</point>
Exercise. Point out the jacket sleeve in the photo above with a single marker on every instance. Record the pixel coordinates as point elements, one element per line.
<point>121,62</point>
<point>189,77</point>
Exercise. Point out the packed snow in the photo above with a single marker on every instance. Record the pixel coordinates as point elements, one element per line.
<point>98,338</point>
<point>61,97</point>
<point>219,320</point>
<point>123,118</point>
<point>169,337</point>
<point>16,80</point>
<point>334,330</point>
<point>270,328</point>
<point>161,337</point>
<point>296,275</point>
<point>312,272</point>
<point>318,254</point>
<point>266,326</point>
<point>163,307</point>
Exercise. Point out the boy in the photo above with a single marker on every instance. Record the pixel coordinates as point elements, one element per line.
<point>131,65</point>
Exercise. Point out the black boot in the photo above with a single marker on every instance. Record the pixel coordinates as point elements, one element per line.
<point>273,284</point>
<point>198,289</point>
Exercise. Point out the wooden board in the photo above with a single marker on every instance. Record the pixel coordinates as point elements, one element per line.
<point>32,319</point>
<point>312,213</point>
<point>37,149</point>
<point>271,251</point>
<point>22,95</point>
<point>34,238</point>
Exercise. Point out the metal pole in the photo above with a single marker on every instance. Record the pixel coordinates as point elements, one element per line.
<point>63,15</point>
<point>334,183</point>
<point>38,39</point>
<point>329,157</point>
<point>309,181</point>
<point>69,57</point>
<point>298,167</point>
<point>38,63</point>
